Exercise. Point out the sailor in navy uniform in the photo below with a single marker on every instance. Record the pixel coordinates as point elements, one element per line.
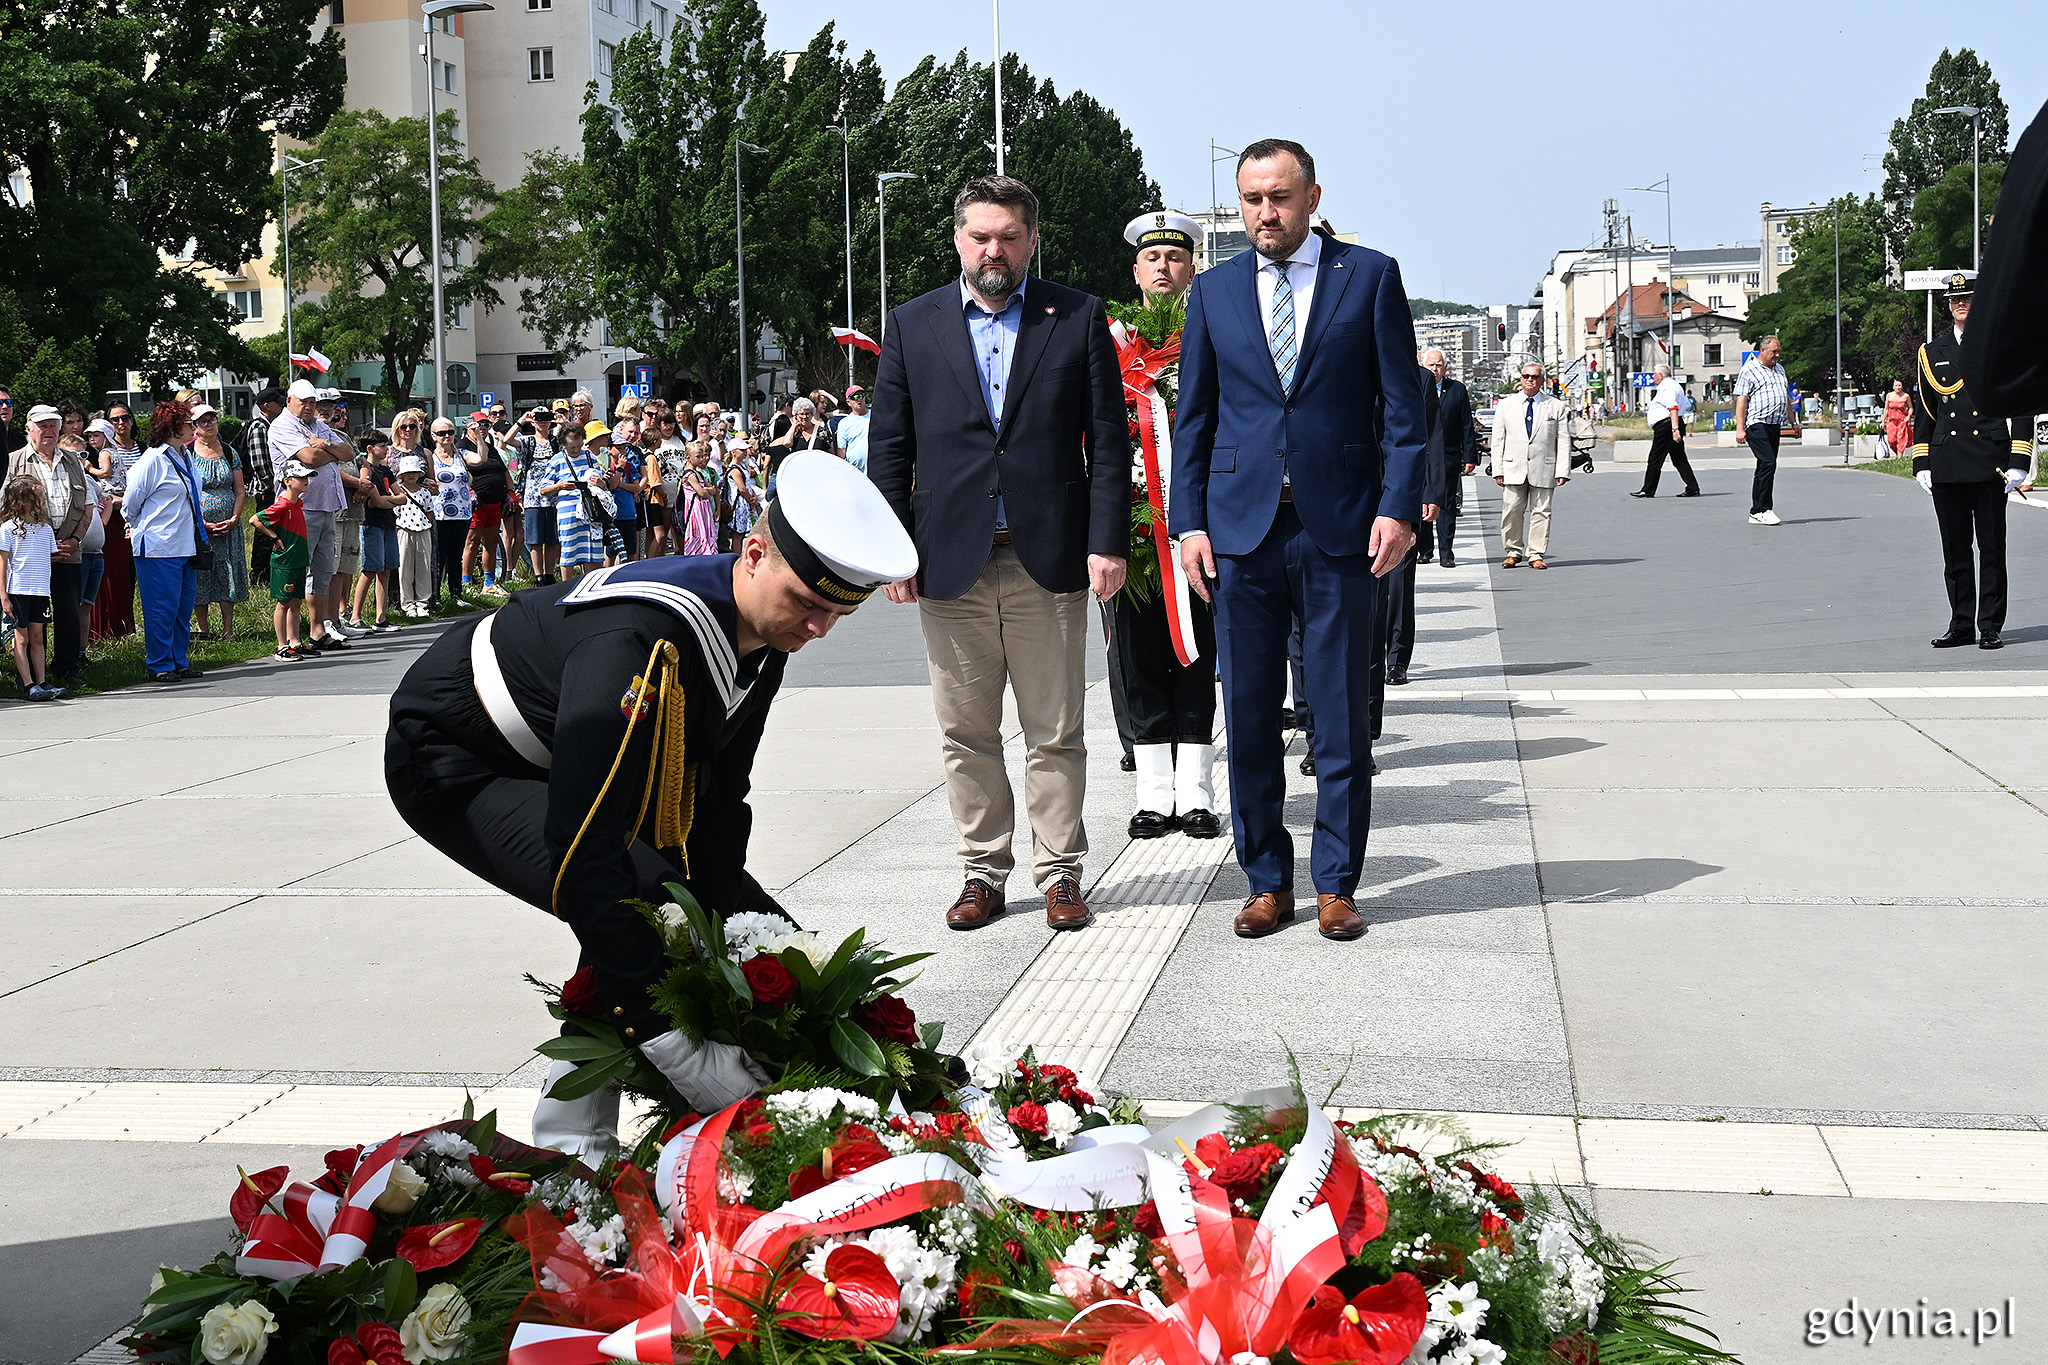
<point>1968,463</point>
<point>591,740</point>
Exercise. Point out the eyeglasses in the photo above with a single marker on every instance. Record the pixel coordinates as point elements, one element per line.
<point>1532,376</point>
<point>120,417</point>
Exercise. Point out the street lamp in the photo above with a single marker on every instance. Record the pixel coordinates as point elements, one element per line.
<point>846,179</point>
<point>1216,154</point>
<point>1663,187</point>
<point>998,4</point>
<point>431,11</point>
<point>287,163</point>
<point>739,225</point>
<point>1976,117</point>
<point>882,235</point>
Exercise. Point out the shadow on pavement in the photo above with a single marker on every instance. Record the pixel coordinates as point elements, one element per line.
<point>1556,746</point>
<point>91,1286</point>
<point>1576,879</point>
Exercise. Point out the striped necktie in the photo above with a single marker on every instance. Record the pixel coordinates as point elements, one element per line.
<point>1280,336</point>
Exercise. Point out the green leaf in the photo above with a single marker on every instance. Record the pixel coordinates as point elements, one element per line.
<point>570,1048</point>
<point>860,1052</point>
<point>468,1104</point>
<point>931,1031</point>
<point>807,979</point>
<point>485,1132</point>
<point>844,955</point>
<point>585,1080</point>
<point>401,1288</point>
<point>195,1289</point>
<point>735,979</point>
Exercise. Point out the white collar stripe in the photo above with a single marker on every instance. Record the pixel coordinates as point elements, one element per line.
<point>719,658</point>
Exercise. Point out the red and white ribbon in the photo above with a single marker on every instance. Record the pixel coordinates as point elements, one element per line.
<point>317,1231</point>
<point>1142,364</point>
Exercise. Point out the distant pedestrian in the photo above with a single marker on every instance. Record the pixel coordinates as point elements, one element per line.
<point>27,544</point>
<point>169,538</point>
<point>1898,420</point>
<point>1762,404</point>
<point>67,500</point>
<point>852,429</point>
<point>1531,445</point>
<point>1460,457</point>
<point>283,524</point>
<point>1666,411</point>
<point>415,519</point>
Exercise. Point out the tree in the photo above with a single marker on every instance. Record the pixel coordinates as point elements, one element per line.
<point>1939,235</point>
<point>535,237</point>
<point>1802,311</point>
<point>43,369</point>
<point>146,130</point>
<point>1925,147</point>
<point>365,236</point>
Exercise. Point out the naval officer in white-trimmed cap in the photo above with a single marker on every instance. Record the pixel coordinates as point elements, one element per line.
<point>591,740</point>
<point>1166,243</point>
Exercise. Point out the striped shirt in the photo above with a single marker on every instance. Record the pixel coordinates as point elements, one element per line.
<point>1767,391</point>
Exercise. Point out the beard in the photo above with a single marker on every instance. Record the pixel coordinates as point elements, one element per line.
<point>995,278</point>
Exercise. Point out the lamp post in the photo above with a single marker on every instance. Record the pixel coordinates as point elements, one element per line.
<point>998,4</point>
<point>1976,117</point>
<point>739,230</point>
<point>882,236</point>
<point>286,164</point>
<point>433,10</point>
<point>1216,154</point>
<point>1663,187</point>
<point>846,179</point>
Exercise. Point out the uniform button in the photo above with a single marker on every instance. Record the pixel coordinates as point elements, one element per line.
<point>631,1034</point>
<point>991,492</point>
<point>618,1009</point>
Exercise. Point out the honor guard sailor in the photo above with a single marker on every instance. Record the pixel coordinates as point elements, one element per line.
<point>1168,706</point>
<point>1968,463</point>
<point>591,740</point>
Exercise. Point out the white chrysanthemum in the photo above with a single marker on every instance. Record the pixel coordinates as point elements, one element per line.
<point>815,1106</point>
<point>1475,1352</point>
<point>897,1144</point>
<point>1424,1345</point>
<point>1120,1263</point>
<point>442,1143</point>
<point>734,1184</point>
<point>605,1242</point>
<point>551,1281</point>
<point>1458,1306</point>
<point>1061,1122</point>
<point>813,947</point>
<point>991,1063</point>
<point>1084,1250</point>
<point>745,934</point>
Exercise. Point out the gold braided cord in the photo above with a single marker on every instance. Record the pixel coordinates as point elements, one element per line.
<point>1927,373</point>
<point>664,656</point>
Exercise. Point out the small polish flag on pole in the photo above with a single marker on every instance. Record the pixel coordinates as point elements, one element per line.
<point>312,360</point>
<point>848,336</point>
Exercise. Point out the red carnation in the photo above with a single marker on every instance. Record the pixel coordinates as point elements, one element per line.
<point>769,980</point>
<point>1241,1172</point>
<point>1073,1094</point>
<point>760,1134</point>
<point>381,1343</point>
<point>1493,1232</point>
<point>1580,1348</point>
<point>579,994</point>
<point>1146,1220</point>
<point>887,1020</point>
<point>679,1125</point>
<point>1028,1117</point>
<point>1014,1249</point>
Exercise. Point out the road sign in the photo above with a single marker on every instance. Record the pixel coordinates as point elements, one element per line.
<point>643,375</point>
<point>1642,379</point>
<point>486,398</point>
<point>458,378</point>
<point>1933,279</point>
<point>643,388</point>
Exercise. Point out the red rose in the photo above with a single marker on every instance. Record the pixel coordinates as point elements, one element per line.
<point>1241,1173</point>
<point>887,1020</point>
<point>1146,1220</point>
<point>344,1351</point>
<point>1211,1149</point>
<point>1028,1117</point>
<point>1014,1249</point>
<point>769,980</point>
<point>579,994</point>
<point>381,1343</point>
<point>1580,1348</point>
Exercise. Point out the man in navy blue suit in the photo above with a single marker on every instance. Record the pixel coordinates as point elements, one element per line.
<point>1297,484</point>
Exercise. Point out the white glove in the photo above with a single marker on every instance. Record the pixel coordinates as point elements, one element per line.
<point>2014,478</point>
<point>710,1075</point>
<point>1926,481</point>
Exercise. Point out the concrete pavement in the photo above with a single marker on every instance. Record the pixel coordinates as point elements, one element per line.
<point>1734,901</point>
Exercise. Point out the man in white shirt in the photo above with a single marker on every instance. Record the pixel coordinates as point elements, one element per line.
<point>852,431</point>
<point>1762,407</point>
<point>1667,436</point>
<point>299,434</point>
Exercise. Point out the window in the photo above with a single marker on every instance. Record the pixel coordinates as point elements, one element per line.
<point>605,53</point>
<point>1714,301</point>
<point>540,63</point>
<point>1713,353</point>
<point>190,250</point>
<point>334,12</point>
<point>638,12</point>
<point>1713,279</point>
<point>444,75</point>
<point>660,22</point>
<point>247,302</point>
<point>458,316</point>
<point>607,6</point>
<point>1784,255</point>
<point>447,23</point>
<point>1678,357</point>
<point>1755,279</point>
<point>535,5</point>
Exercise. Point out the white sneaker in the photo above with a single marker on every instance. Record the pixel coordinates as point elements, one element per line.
<point>1763,519</point>
<point>1770,518</point>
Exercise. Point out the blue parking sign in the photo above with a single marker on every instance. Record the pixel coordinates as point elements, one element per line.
<point>485,399</point>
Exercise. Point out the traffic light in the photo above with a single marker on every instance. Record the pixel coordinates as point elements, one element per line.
<point>1503,330</point>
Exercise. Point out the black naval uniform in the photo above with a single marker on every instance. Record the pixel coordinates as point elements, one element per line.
<point>1168,702</point>
<point>1967,454</point>
<point>2005,347</point>
<point>575,660</point>
<point>1393,645</point>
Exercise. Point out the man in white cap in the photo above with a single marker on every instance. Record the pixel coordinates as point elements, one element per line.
<point>1167,708</point>
<point>300,434</point>
<point>63,480</point>
<point>523,745</point>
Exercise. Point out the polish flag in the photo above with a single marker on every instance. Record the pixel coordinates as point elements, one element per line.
<point>312,360</point>
<point>848,336</point>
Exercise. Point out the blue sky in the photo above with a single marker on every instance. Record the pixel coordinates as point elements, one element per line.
<point>1470,140</point>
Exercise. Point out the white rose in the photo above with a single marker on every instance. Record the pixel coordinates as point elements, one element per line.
<point>434,1330</point>
<point>401,1191</point>
<point>236,1334</point>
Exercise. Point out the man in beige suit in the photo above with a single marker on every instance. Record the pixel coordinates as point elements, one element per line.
<point>1531,443</point>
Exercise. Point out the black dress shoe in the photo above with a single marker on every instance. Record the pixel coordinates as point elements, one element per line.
<point>1287,718</point>
<point>1308,765</point>
<point>1955,639</point>
<point>1150,824</point>
<point>1450,563</point>
<point>1375,767</point>
<point>1201,824</point>
<point>1425,559</point>
<point>1397,677</point>
<point>1991,641</point>
<point>1639,493</point>
<point>1129,763</point>
<point>1690,493</point>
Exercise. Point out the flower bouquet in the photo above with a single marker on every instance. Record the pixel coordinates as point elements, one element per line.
<point>805,1010</point>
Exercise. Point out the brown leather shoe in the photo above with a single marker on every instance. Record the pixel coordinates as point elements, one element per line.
<point>1264,913</point>
<point>1337,918</point>
<point>1064,908</point>
<point>1510,562</point>
<point>978,904</point>
<point>1537,563</point>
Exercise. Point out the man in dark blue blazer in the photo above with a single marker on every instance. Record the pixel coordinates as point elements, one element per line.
<point>1297,484</point>
<point>1460,457</point>
<point>998,435</point>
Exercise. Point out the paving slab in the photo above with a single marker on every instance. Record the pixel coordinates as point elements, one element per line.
<point>1585,752</point>
<point>46,935</point>
<point>150,767</point>
<point>2014,755</point>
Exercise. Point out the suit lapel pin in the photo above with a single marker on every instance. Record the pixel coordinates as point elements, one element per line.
<point>1050,309</point>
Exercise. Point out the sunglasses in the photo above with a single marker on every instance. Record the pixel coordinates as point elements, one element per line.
<point>120,417</point>
<point>439,434</point>
<point>408,426</point>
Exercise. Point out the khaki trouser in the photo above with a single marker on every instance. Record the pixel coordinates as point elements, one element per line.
<point>1007,629</point>
<point>415,567</point>
<point>1519,502</point>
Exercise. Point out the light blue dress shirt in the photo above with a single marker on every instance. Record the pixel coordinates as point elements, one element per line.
<point>995,341</point>
<point>158,506</point>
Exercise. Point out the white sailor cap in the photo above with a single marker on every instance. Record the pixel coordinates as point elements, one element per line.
<point>1162,227</point>
<point>836,530</point>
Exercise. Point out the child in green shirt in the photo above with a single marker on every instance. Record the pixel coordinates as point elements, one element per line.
<point>284,521</point>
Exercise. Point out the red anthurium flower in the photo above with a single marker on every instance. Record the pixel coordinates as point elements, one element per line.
<point>858,1300</point>
<point>1379,1327</point>
<point>344,1351</point>
<point>579,994</point>
<point>804,1179</point>
<point>254,1192</point>
<point>341,1164</point>
<point>433,1245</point>
<point>505,1182</point>
<point>1211,1148</point>
<point>854,1154</point>
<point>381,1343</point>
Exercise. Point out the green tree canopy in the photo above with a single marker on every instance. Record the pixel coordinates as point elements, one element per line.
<point>146,128</point>
<point>1925,146</point>
<point>1940,237</point>
<point>365,232</point>
<point>1876,319</point>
